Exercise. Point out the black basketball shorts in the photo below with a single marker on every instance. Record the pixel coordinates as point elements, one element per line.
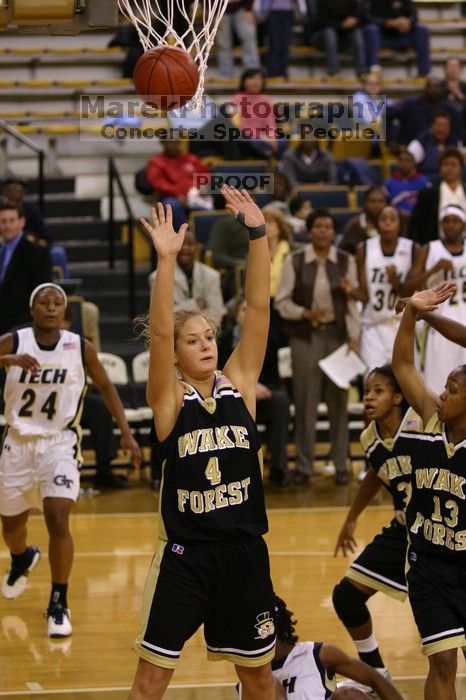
<point>226,586</point>
<point>381,565</point>
<point>437,593</point>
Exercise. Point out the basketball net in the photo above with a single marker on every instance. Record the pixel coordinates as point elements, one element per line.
<point>152,16</point>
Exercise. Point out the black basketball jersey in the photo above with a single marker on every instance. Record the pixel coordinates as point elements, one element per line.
<point>436,508</point>
<point>212,470</point>
<point>390,461</point>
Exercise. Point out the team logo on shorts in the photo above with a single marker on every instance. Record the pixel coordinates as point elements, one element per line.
<point>265,626</point>
<point>62,480</point>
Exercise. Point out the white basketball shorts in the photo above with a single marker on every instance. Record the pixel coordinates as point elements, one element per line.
<point>32,469</point>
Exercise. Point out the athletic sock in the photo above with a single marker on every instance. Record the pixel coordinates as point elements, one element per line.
<point>58,595</point>
<point>368,652</point>
<point>22,561</point>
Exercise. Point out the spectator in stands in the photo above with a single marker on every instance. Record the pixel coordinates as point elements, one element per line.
<point>23,266</point>
<point>14,191</point>
<point>128,38</point>
<point>414,114</point>
<point>405,183</point>
<point>256,117</point>
<point>430,143</point>
<point>278,16</point>
<point>308,163</point>
<point>240,19</point>
<point>197,286</point>
<point>393,24</point>
<point>424,220</point>
<point>278,238</point>
<point>367,103</point>
<point>367,99</point>
<point>319,318</point>
<point>211,127</point>
<point>273,404</point>
<point>455,88</point>
<point>364,225</point>
<point>335,25</point>
<point>300,208</point>
<point>171,175</point>
<point>229,245</point>
<point>281,192</point>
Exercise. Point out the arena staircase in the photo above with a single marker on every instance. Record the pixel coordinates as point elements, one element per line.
<point>76,224</point>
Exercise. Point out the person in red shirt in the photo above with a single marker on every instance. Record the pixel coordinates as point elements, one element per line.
<point>171,175</point>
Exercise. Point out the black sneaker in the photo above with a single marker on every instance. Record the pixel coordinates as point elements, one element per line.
<point>15,580</point>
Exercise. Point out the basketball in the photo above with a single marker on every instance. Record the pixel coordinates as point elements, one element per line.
<point>166,77</point>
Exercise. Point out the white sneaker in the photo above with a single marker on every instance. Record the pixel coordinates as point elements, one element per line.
<point>329,469</point>
<point>365,688</point>
<point>58,621</point>
<point>14,581</point>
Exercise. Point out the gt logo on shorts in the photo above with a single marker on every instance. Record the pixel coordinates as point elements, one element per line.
<point>62,480</point>
<point>265,626</point>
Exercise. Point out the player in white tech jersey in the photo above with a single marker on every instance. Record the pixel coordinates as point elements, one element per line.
<point>40,448</point>
<point>307,670</point>
<point>384,263</point>
<point>444,260</point>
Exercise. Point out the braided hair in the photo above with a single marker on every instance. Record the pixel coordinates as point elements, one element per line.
<point>284,624</point>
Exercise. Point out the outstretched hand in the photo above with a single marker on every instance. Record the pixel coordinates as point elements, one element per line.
<point>430,299</point>
<point>241,202</point>
<point>346,541</point>
<point>165,239</point>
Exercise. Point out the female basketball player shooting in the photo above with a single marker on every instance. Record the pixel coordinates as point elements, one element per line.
<point>212,564</point>
<point>435,512</point>
<point>40,450</point>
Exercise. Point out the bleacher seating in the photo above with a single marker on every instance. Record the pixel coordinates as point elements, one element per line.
<point>201,222</point>
<point>329,196</point>
<point>41,83</point>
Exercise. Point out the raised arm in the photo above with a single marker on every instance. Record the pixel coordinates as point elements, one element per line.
<point>244,366</point>
<point>162,384</point>
<point>451,330</point>
<point>334,659</point>
<point>422,400</point>
<point>369,487</point>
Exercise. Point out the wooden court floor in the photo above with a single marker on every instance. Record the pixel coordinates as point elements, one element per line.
<point>115,535</point>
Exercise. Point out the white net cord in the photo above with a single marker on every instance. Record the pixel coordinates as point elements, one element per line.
<point>154,21</point>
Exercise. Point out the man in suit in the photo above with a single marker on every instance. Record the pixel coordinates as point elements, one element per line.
<point>23,266</point>
<point>197,286</point>
<point>14,191</point>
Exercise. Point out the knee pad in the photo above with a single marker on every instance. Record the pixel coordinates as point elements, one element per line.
<point>350,604</point>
